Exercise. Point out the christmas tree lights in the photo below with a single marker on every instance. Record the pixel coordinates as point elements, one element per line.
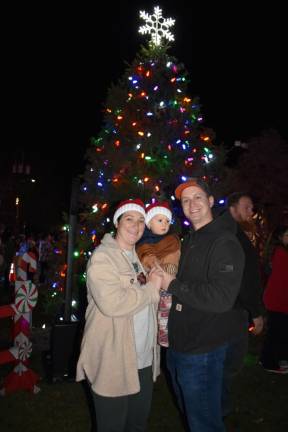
<point>152,137</point>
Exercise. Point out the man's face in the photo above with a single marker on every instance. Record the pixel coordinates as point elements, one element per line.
<point>243,210</point>
<point>197,206</point>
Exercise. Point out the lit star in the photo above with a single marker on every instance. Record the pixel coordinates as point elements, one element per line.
<point>157,26</point>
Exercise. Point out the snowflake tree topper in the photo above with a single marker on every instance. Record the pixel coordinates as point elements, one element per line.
<point>157,26</point>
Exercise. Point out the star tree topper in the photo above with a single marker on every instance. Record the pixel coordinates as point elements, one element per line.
<point>157,26</point>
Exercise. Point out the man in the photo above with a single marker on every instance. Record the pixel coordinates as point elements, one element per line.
<point>240,206</point>
<point>202,320</point>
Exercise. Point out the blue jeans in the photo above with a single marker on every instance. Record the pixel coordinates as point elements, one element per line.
<point>197,381</point>
<point>234,361</point>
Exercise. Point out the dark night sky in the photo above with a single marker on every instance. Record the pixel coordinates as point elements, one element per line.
<point>57,65</point>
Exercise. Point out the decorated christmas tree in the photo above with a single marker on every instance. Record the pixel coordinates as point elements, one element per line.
<point>153,135</point>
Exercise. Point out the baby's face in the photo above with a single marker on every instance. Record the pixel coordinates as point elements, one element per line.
<point>159,224</point>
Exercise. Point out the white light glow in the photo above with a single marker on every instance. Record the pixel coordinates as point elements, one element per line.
<point>157,26</point>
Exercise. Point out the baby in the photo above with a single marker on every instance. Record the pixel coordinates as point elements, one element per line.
<point>158,246</point>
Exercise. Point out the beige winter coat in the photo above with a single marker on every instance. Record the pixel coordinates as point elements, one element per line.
<point>108,354</point>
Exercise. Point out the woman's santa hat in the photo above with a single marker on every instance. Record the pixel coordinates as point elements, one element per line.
<point>156,209</point>
<point>128,205</point>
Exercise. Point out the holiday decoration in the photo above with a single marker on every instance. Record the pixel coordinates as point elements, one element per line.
<point>157,26</point>
<point>26,296</point>
<point>25,300</point>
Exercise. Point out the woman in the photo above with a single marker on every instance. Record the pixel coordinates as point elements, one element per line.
<point>118,352</point>
<point>274,356</point>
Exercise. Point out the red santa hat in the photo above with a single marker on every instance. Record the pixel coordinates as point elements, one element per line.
<point>158,208</point>
<point>129,205</point>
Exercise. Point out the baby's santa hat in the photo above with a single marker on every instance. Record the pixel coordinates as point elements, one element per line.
<point>129,205</point>
<point>158,208</point>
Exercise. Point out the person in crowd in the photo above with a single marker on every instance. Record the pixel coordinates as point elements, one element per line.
<point>45,251</point>
<point>119,356</point>
<point>9,245</point>
<point>274,356</point>
<point>240,206</point>
<point>2,261</point>
<point>160,246</point>
<point>22,245</point>
<point>202,319</point>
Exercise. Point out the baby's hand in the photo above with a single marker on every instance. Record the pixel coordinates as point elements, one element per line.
<point>155,276</point>
<point>166,278</point>
<point>149,261</point>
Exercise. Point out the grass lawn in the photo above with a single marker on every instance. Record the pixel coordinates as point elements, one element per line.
<point>261,403</point>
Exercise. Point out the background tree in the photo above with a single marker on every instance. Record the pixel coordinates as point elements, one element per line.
<point>261,169</point>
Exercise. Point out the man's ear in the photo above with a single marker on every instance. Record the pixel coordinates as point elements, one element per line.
<point>233,211</point>
<point>211,201</point>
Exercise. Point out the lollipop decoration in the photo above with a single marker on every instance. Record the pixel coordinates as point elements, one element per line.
<point>25,350</point>
<point>26,296</point>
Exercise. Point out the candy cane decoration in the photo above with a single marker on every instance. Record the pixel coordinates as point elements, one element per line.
<point>25,300</point>
<point>27,262</point>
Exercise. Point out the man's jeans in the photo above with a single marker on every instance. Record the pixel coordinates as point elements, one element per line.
<point>197,381</point>
<point>234,361</point>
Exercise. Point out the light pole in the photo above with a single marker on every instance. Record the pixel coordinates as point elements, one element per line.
<point>71,241</point>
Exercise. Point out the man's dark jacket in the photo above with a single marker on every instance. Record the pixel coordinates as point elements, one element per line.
<point>203,315</point>
<point>251,291</point>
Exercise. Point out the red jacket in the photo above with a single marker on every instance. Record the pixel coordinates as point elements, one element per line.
<point>276,292</point>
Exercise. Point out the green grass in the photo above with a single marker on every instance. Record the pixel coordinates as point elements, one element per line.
<point>261,403</point>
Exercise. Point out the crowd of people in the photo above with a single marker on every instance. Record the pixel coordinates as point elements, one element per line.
<point>197,299</point>
<point>13,247</point>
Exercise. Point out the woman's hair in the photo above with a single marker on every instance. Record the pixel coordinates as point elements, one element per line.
<point>274,240</point>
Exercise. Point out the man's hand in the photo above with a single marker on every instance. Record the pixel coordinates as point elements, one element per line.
<point>258,325</point>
